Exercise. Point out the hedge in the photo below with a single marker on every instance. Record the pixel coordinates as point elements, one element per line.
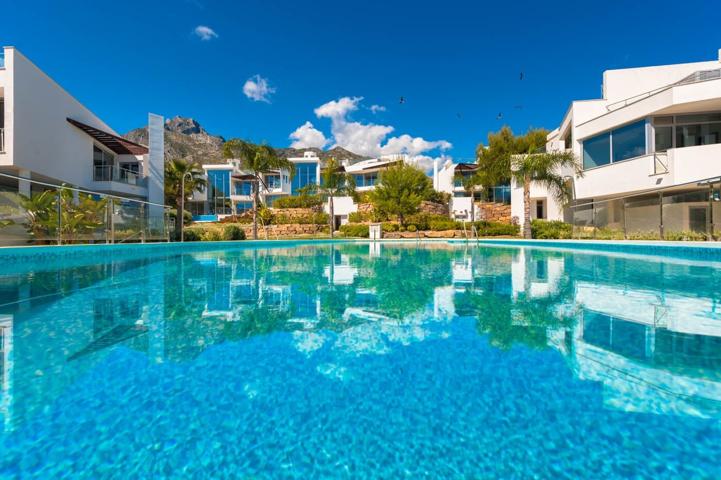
<point>300,201</point>
<point>551,229</point>
<point>354,230</point>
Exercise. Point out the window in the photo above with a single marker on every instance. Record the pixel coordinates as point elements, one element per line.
<point>687,130</point>
<point>629,141</point>
<point>614,146</point>
<point>243,188</point>
<point>540,209</point>
<point>273,181</point>
<point>597,151</point>
<point>305,174</point>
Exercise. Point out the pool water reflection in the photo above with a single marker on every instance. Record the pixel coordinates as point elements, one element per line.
<point>361,361</point>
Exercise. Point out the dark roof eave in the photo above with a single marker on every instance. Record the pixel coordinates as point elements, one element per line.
<point>115,143</point>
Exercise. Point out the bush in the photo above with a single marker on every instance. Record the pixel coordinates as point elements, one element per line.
<point>211,235</point>
<point>191,235</point>
<point>300,201</point>
<point>685,236</point>
<point>438,197</point>
<point>354,230</point>
<point>493,229</point>
<point>357,217</point>
<point>443,224</point>
<point>233,232</point>
<point>551,229</point>
<point>411,228</point>
<point>388,227</point>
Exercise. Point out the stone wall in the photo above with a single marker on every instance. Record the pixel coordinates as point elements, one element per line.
<point>433,208</point>
<point>426,207</point>
<point>292,213</point>
<point>284,230</point>
<point>493,212</point>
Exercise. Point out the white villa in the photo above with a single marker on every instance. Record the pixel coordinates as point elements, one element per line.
<point>655,135</point>
<point>230,188</point>
<point>48,136</point>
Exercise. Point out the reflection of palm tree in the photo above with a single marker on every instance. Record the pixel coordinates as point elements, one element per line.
<point>524,319</point>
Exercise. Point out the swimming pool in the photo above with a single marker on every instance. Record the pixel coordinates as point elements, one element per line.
<point>358,360</point>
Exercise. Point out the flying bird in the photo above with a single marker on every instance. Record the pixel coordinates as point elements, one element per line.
<point>459,115</point>
<point>499,116</point>
<point>518,107</point>
<point>521,77</point>
<point>402,100</point>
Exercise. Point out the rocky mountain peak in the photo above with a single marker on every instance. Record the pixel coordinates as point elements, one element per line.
<point>184,125</point>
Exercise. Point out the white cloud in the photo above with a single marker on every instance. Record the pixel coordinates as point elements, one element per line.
<point>367,139</point>
<point>258,89</point>
<point>377,108</point>
<point>338,109</point>
<point>205,33</point>
<point>307,136</point>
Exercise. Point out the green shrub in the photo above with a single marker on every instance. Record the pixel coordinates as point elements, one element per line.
<point>609,234</point>
<point>551,229</point>
<point>388,227</point>
<point>685,236</point>
<point>191,235</point>
<point>444,224</point>
<point>233,232</point>
<point>212,235</point>
<point>411,228</point>
<point>354,230</point>
<point>644,236</point>
<point>438,197</point>
<point>493,229</point>
<point>299,201</point>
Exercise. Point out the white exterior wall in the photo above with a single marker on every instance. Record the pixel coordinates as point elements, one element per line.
<point>39,141</point>
<point>631,95</point>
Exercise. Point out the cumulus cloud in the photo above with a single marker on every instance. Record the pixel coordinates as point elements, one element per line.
<point>258,89</point>
<point>368,139</point>
<point>205,33</point>
<point>307,136</point>
<point>377,108</point>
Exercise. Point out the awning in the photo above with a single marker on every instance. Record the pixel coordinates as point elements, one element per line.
<point>115,143</point>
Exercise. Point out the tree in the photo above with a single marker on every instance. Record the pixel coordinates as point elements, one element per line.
<point>470,185</point>
<point>545,168</point>
<point>334,183</point>
<point>256,160</point>
<point>400,190</point>
<point>523,159</point>
<point>175,171</point>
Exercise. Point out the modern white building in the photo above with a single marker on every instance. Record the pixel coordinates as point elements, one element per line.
<point>449,178</point>
<point>48,136</point>
<point>655,129</point>
<point>230,188</point>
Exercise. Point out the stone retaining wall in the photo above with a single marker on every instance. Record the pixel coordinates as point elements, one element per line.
<point>288,229</point>
<point>493,212</point>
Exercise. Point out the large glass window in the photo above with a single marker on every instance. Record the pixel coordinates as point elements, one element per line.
<point>615,146</point>
<point>597,151</point>
<point>305,174</point>
<point>243,188</point>
<point>273,181</point>
<point>629,141</point>
<point>687,130</point>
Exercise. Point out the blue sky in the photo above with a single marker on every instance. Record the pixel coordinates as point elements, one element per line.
<point>457,64</point>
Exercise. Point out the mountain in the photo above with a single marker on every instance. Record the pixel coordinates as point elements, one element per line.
<point>186,138</point>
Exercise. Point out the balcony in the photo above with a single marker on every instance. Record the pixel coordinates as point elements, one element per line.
<point>109,173</point>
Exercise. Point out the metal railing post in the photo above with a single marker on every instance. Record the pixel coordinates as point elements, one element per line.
<point>142,223</point>
<point>112,221</point>
<point>623,214</point>
<point>60,222</point>
<point>107,220</point>
<point>660,214</point>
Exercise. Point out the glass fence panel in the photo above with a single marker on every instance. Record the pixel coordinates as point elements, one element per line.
<point>583,221</point>
<point>716,213</point>
<point>33,213</point>
<point>643,218</point>
<point>608,220</point>
<point>686,215</point>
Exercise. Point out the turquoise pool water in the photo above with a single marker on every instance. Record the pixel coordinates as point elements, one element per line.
<point>359,361</point>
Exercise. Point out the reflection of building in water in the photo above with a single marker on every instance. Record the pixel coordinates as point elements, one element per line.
<point>654,351</point>
<point>340,271</point>
<point>6,347</point>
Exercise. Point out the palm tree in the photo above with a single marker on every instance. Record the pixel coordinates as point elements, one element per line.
<point>544,168</point>
<point>175,171</point>
<point>334,183</point>
<point>257,160</point>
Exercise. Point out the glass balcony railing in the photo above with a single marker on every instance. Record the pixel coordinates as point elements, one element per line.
<point>2,139</point>
<point>109,173</point>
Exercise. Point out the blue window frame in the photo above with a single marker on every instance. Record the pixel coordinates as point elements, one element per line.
<point>272,181</point>
<point>243,188</point>
<point>616,145</point>
<point>305,174</point>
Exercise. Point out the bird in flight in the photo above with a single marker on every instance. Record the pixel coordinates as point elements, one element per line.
<point>521,77</point>
<point>499,116</point>
<point>402,100</point>
<point>518,107</point>
<point>459,115</point>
